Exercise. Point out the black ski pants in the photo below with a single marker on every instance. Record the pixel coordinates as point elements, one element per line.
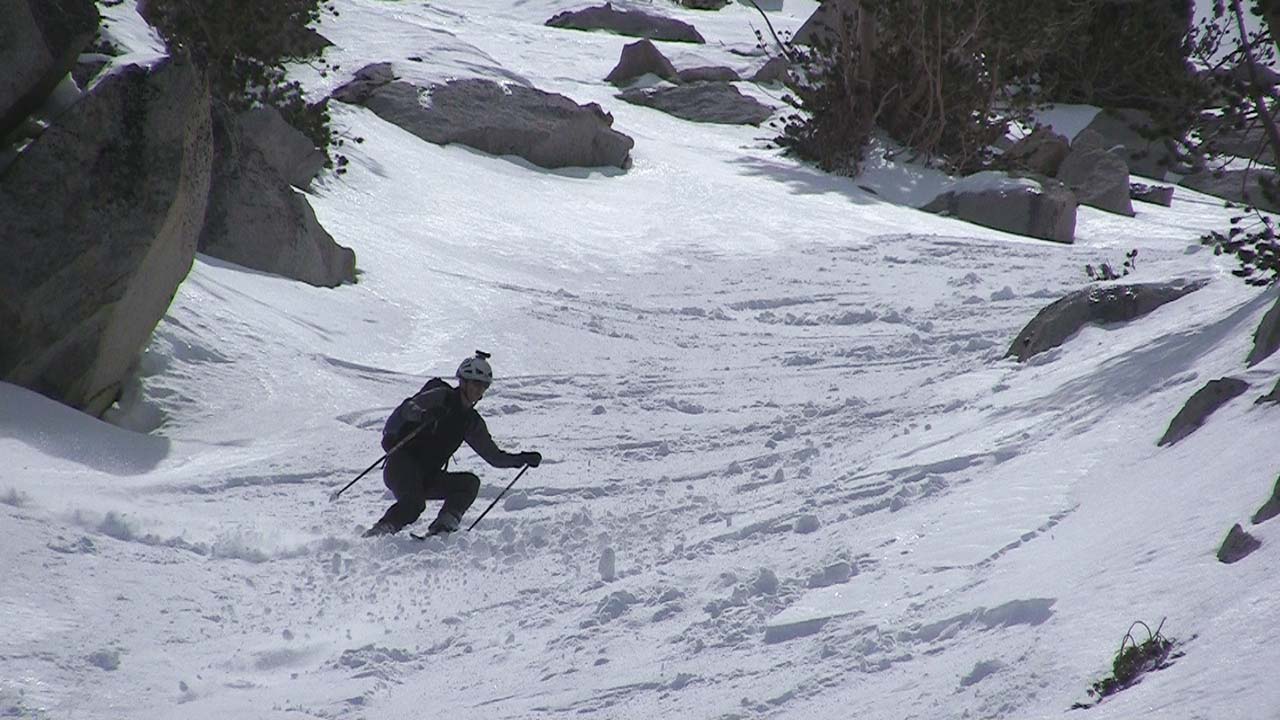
<point>413,486</point>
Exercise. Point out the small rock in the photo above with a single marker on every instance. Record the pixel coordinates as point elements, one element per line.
<point>708,74</point>
<point>1266,339</point>
<point>1270,508</point>
<point>635,23</point>
<point>806,524</point>
<point>773,71</point>
<point>765,583</point>
<point>640,58</point>
<point>1238,545</point>
<point>1041,208</point>
<point>1040,152</point>
<point>106,659</point>
<point>1004,293</point>
<point>1200,406</point>
<point>708,102</point>
<point>1271,397</point>
<point>1155,194</point>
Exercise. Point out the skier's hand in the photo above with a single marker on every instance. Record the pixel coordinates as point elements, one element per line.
<point>532,459</point>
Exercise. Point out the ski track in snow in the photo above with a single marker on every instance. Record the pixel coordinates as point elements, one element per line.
<point>787,473</point>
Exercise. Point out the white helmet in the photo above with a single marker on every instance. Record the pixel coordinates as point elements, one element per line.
<point>476,368</point>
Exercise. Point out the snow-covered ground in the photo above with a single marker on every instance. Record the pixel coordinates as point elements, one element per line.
<point>788,472</point>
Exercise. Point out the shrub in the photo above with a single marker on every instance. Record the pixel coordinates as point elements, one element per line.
<point>1104,271</point>
<point>1124,54</point>
<point>1254,244</point>
<point>1239,94</point>
<point>930,75</point>
<point>945,80</point>
<point>1133,660</point>
<point>243,45</point>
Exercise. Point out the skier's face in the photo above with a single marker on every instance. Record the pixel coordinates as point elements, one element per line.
<point>472,391</point>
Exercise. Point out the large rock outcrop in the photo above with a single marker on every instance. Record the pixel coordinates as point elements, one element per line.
<point>255,216</point>
<point>1239,186</point>
<point>1099,177</point>
<point>1040,207</point>
<point>1238,545</point>
<point>640,58</point>
<point>40,41</point>
<point>547,129</point>
<point>708,102</point>
<point>708,73</point>
<point>1041,152</point>
<point>98,225</point>
<point>1266,339</point>
<point>1270,508</point>
<point>1272,397</point>
<point>774,71</point>
<point>1154,194</point>
<point>1200,406</point>
<point>824,25</point>
<point>635,23</point>
<point>1249,141</point>
<point>1132,133</point>
<point>1102,305</point>
<point>283,146</point>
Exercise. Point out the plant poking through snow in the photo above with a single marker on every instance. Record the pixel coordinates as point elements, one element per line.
<point>1133,661</point>
<point>1243,102</point>
<point>1255,245</point>
<point>1104,271</point>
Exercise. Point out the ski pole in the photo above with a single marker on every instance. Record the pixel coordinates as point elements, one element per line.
<point>495,500</point>
<point>334,496</point>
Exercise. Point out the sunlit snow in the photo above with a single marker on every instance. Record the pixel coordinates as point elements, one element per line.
<point>788,473</point>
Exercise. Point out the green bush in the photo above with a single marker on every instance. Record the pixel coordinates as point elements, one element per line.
<point>1235,88</point>
<point>1254,243</point>
<point>242,46</point>
<point>1104,271</point>
<point>945,80</point>
<point>1123,54</point>
<point>1134,660</point>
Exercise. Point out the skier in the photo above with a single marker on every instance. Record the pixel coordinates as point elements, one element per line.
<point>442,417</point>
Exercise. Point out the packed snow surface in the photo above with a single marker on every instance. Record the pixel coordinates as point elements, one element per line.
<point>788,472</point>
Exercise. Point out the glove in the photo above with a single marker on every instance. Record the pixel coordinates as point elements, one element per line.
<point>532,459</point>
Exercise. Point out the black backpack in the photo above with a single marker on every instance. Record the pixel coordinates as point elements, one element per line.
<point>398,427</point>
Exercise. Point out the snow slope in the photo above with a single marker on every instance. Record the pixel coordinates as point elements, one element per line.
<point>788,472</point>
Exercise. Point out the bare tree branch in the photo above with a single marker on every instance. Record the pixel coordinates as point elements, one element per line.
<point>1255,85</point>
<point>781,46</point>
